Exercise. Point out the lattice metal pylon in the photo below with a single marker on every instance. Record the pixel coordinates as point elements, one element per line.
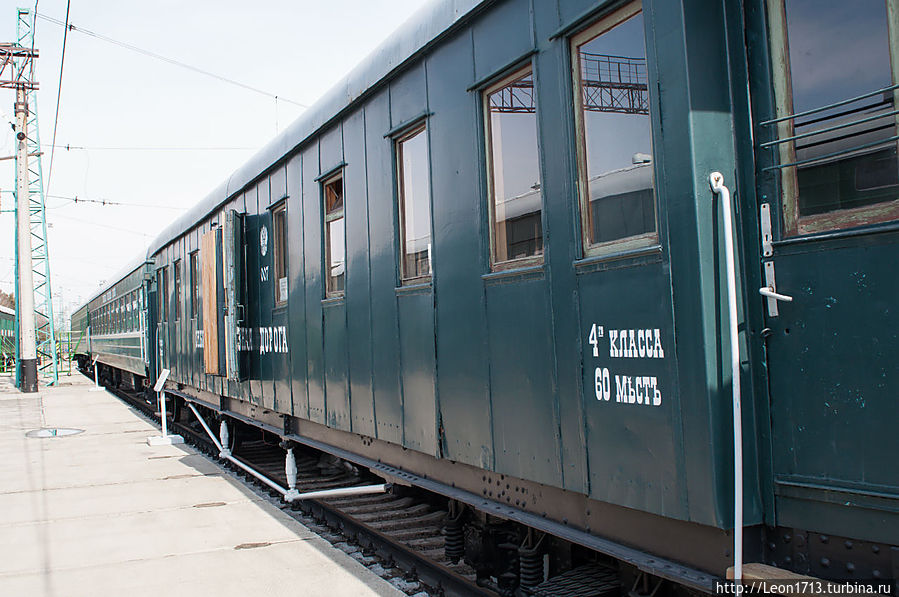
<point>48,368</point>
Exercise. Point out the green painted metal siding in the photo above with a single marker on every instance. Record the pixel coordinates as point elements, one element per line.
<point>496,370</point>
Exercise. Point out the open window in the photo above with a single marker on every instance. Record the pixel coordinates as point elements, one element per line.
<point>835,132</point>
<point>614,134</point>
<point>334,236</point>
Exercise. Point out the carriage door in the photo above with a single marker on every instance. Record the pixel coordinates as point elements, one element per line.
<point>236,333</point>
<point>828,206</point>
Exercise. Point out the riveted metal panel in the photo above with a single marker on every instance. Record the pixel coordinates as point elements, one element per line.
<point>337,399</point>
<point>277,183</point>
<point>459,256</point>
<point>416,311</point>
<point>296,281</point>
<point>633,435</point>
<point>408,95</point>
<point>358,281</point>
<point>312,251</point>
<point>554,117</point>
<point>501,35</point>
<point>386,390</point>
<point>330,145</point>
<point>253,256</point>
<point>571,11</point>
<point>263,243</point>
<point>521,380</point>
<point>843,306</point>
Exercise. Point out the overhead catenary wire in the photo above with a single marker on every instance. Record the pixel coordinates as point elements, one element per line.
<point>77,199</point>
<point>62,63</point>
<point>172,61</point>
<point>70,147</point>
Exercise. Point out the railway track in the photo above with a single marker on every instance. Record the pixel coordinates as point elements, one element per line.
<point>400,535</point>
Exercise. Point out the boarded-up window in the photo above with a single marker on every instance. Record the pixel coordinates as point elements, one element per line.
<point>209,257</point>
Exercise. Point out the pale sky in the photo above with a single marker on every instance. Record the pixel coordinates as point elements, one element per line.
<point>140,120</point>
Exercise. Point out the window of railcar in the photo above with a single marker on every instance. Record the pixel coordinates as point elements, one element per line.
<point>335,237</point>
<point>838,163</point>
<point>194,284</point>
<point>140,309</point>
<point>176,272</point>
<point>414,186</point>
<point>513,171</point>
<point>279,224</point>
<point>129,314</point>
<point>161,295</point>
<point>615,159</point>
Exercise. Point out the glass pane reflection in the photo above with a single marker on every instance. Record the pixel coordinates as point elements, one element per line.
<point>617,134</point>
<point>516,194</point>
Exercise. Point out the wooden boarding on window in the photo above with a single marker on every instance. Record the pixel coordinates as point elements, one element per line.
<point>208,259</point>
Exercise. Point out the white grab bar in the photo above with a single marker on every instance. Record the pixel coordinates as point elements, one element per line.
<point>716,181</point>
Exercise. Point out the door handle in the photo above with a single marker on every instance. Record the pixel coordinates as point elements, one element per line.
<point>769,292</point>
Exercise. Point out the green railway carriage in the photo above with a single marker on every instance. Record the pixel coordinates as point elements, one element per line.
<point>81,342</point>
<point>491,259</point>
<point>115,324</point>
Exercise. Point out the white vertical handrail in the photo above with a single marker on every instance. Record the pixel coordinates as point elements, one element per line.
<point>716,181</point>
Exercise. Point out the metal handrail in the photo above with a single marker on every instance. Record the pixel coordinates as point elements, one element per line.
<point>829,129</point>
<point>832,155</point>
<point>829,106</point>
<point>721,192</point>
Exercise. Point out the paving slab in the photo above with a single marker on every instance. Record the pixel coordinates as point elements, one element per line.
<point>103,513</point>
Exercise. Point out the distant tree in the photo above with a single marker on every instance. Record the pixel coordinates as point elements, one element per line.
<point>7,299</point>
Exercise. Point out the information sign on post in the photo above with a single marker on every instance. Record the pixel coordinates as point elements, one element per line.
<point>96,387</point>
<point>165,439</point>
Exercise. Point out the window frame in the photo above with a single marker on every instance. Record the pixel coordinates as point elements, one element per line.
<point>413,130</point>
<point>162,310</point>
<point>194,265</point>
<point>178,287</point>
<point>794,224</point>
<point>638,242</point>
<point>279,251</point>
<point>521,262</point>
<point>327,218</point>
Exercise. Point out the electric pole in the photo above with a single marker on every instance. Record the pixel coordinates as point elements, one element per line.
<point>25,276</point>
<point>35,330</point>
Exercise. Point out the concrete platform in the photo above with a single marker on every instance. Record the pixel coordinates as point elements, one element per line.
<point>103,513</point>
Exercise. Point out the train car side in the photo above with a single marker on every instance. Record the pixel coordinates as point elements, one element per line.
<point>551,342</point>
